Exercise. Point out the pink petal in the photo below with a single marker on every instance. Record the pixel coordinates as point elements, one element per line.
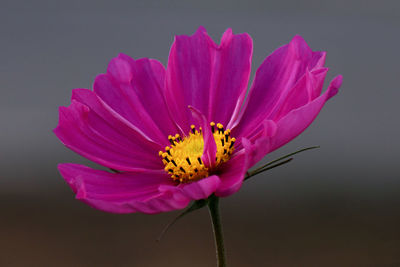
<point>273,135</point>
<point>121,70</point>
<point>89,135</point>
<point>200,189</point>
<point>259,145</point>
<point>232,174</point>
<point>122,192</point>
<point>231,72</point>
<point>274,78</point>
<point>306,89</point>
<point>211,78</point>
<point>188,76</point>
<point>296,121</point>
<point>148,78</point>
<point>123,126</point>
<point>135,90</point>
<point>210,148</point>
<point>122,99</point>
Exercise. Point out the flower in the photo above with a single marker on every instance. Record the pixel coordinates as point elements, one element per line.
<point>188,131</point>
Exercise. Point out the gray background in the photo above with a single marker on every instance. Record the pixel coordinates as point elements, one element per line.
<point>336,206</point>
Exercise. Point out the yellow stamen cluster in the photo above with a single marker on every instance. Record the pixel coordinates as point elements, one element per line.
<point>183,158</point>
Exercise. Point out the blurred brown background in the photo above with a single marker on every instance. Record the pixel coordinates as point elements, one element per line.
<point>336,206</point>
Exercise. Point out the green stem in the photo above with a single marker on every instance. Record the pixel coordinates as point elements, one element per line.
<point>217,227</point>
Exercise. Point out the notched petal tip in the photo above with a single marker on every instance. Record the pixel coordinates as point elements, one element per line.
<point>337,81</point>
<point>298,38</point>
<point>228,31</point>
<point>334,86</point>
<point>120,70</point>
<point>244,38</point>
<point>66,113</point>
<point>201,28</point>
<point>226,38</point>
<point>299,47</point>
<point>125,57</point>
<point>66,171</point>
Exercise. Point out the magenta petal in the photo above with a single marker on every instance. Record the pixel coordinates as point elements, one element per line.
<point>89,135</point>
<point>306,89</point>
<point>260,144</point>
<point>296,121</point>
<point>201,189</point>
<point>121,192</point>
<point>122,99</point>
<point>113,119</point>
<point>209,77</point>
<point>148,78</point>
<point>232,174</point>
<point>210,148</point>
<point>231,72</point>
<point>135,90</point>
<point>188,76</point>
<point>120,70</point>
<point>274,78</point>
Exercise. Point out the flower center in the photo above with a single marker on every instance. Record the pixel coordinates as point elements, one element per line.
<point>183,158</point>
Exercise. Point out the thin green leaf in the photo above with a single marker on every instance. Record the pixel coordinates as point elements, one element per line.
<point>267,168</point>
<point>286,156</point>
<point>198,204</point>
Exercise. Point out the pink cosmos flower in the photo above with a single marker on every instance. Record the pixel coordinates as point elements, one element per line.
<point>185,132</point>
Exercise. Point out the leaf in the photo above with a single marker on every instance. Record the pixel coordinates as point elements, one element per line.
<point>268,166</point>
<point>198,204</point>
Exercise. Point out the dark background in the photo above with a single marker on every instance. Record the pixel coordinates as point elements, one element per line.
<point>335,206</point>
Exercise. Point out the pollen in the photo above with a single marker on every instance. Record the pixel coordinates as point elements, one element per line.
<point>182,159</point>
